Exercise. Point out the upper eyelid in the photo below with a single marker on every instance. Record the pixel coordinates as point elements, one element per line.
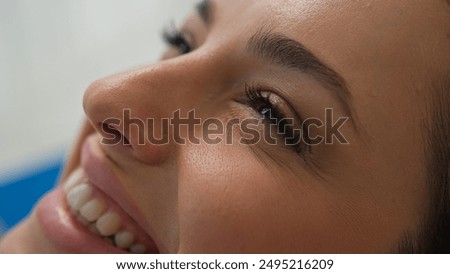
<point>278,94</point>
<point>172,30</point>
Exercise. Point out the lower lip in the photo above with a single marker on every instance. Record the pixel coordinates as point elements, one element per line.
<point>64,232</point>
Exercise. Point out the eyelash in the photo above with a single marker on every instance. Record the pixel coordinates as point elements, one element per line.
<point>262,104</point>
<point>175,38</point>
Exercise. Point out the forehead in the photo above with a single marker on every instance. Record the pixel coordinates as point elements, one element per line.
<point>343,30</point>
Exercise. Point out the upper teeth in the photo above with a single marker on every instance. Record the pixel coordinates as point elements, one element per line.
<point>108,224</point>
<point>79,195</point>
<point>124,239</point>
<point>92,210</point>
<point>94,214</point>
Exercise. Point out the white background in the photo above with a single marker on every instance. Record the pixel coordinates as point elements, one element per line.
<point>345,264</point>
<point>50,50</point>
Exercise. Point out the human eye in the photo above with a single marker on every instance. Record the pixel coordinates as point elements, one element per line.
<point>177,39</point>
<point>274,111</point>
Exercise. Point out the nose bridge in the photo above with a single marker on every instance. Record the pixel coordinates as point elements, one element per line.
<point>137,104</point>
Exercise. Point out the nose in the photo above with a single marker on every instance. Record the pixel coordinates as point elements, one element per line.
<point>133,109</point>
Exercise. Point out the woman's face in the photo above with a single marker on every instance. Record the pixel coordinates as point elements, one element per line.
<point>360,189</point>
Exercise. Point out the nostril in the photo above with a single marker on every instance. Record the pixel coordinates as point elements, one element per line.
<point>111,135</point>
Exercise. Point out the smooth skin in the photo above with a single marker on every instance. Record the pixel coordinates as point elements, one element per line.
<point>356,198</point>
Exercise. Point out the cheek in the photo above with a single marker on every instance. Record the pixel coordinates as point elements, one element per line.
<point>230,202</point>
<point>219,201</point>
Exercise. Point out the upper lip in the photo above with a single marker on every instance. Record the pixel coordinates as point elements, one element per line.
<point>98,168</point>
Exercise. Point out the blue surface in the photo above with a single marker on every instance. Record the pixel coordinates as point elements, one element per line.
<point>18,198</point>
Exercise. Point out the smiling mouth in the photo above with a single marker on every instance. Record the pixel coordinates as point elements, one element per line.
<point>103,217</point>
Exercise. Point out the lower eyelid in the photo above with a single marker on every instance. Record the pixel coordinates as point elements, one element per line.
<point>242,111</point>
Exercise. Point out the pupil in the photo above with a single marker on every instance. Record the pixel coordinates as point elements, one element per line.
<point>266,113</point>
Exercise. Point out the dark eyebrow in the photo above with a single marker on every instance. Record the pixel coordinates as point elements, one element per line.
<point>289,53</point>
<point>204,9</point>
